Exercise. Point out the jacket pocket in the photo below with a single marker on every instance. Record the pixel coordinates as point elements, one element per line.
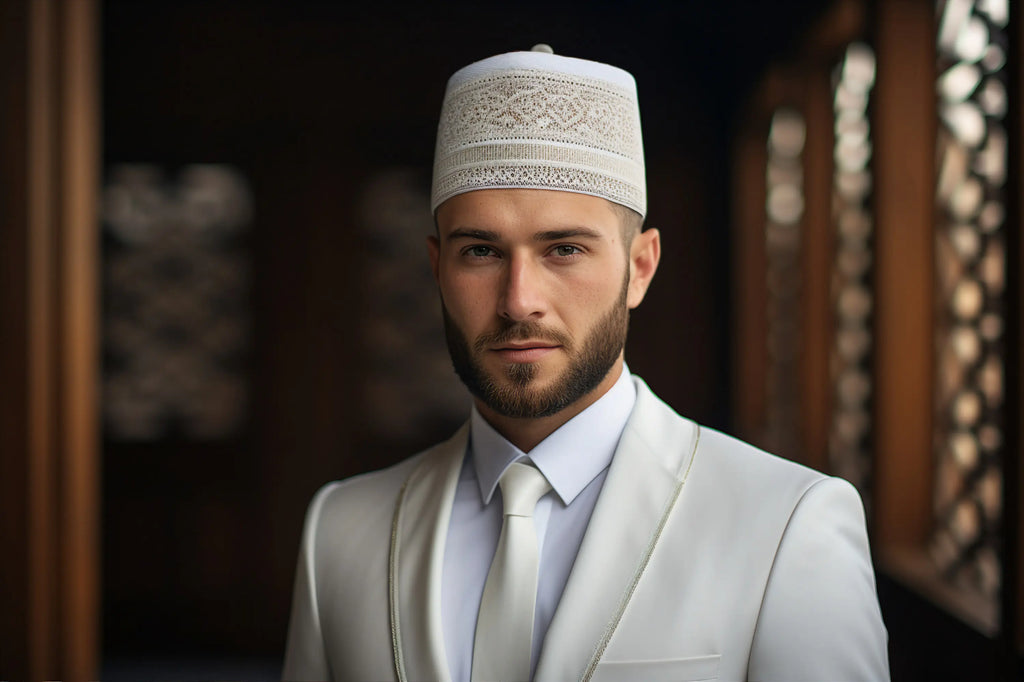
<point>692,669</point>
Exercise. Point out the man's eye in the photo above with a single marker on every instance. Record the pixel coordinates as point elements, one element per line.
<point>479,251</point>
<point>566,250</point>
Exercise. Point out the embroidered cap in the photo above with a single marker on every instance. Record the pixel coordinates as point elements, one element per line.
<point>541,121</point>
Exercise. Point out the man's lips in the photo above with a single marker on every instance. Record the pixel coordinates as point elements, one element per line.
<point>525,351</point>
<point>524,345</point>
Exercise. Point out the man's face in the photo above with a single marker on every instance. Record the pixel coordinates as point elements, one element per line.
<point>536,289</point>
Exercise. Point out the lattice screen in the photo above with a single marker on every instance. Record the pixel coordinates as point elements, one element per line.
<point>852,294</point>
<point>176,302</point>
<point>971,267</point>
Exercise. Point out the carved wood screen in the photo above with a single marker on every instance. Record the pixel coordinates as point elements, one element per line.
<point>917,400</point>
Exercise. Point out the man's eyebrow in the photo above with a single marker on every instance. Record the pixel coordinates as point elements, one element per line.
<point>569,233</point>
<point>473,233</point>
<point>544,236</point>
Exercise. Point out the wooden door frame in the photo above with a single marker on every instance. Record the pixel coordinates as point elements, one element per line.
<point>49,306</point>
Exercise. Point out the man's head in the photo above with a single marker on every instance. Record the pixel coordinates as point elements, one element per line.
<point>536,286</point>
<point>539,256</point>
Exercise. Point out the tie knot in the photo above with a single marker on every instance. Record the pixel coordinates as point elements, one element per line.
<point>521,486</point>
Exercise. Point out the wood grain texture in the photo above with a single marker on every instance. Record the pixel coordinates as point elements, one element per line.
<point>904,125</point>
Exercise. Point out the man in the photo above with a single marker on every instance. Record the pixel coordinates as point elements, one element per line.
<point>576,527</point>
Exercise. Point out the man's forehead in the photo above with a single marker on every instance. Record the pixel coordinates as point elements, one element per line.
<point>528,211</point>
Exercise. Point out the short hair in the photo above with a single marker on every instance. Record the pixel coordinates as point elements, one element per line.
<point>632,222</point>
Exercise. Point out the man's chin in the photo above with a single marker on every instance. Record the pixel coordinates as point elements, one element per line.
<point>530,385</point>
<point>534,376</point>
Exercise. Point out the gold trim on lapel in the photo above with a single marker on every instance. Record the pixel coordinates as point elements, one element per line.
<point>418,534</point>
<point>396,637</point>
<point>610,630</point>
<point>643,484</point>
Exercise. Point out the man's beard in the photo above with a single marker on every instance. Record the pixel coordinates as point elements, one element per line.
<point>511,394</point>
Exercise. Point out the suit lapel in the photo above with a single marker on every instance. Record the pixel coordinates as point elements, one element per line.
<point>643,483</point>
<point>419,533</point>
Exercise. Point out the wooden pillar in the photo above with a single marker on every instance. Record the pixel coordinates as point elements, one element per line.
<point>816,323</point>
<point>904,128</point>
<point>50,242</point>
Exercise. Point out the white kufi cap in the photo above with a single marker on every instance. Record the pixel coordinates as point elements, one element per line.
<point>541,121</point>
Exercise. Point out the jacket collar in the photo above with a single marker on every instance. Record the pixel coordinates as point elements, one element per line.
<point>418,535</point>
<point>645,479</point>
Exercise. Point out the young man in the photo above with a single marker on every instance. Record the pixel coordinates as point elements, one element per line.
<point>576,527</point>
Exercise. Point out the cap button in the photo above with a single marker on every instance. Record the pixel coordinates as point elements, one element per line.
<point>542,47</point>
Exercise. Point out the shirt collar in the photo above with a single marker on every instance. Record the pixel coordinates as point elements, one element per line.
<point>571,457</point>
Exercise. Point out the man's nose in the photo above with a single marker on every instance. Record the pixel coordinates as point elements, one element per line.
<point>522,291</point>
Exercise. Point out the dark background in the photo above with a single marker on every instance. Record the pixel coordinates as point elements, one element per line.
<point>308,100</point>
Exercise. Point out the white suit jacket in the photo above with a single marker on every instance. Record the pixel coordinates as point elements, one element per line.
<point>705,559</point>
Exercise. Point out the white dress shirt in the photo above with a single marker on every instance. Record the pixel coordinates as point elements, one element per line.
<point>575,460</point>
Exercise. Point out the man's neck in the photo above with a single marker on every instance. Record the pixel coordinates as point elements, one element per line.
<point>526,432</point>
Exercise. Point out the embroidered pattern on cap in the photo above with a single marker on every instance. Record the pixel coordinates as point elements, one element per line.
<point>531,128</point>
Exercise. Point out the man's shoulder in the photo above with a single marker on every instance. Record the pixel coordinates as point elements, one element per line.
<point>368,490</point>
<point>734,468</point>
<point>742,459</point>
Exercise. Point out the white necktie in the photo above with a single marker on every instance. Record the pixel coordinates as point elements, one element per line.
<point>504,629</point>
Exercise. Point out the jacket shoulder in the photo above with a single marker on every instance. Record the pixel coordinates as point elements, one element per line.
<point>747,465</point>
<point>730,466</point>
<point>370,488</point>
<point>369,498</point>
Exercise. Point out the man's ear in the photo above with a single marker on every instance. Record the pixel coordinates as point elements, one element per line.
<point>644,255</point>
<point>434,251</point>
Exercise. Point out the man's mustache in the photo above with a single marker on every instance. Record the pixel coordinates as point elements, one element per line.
<point>522,331</point>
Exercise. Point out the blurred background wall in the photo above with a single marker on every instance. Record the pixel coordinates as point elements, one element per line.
<point>216,296</point>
